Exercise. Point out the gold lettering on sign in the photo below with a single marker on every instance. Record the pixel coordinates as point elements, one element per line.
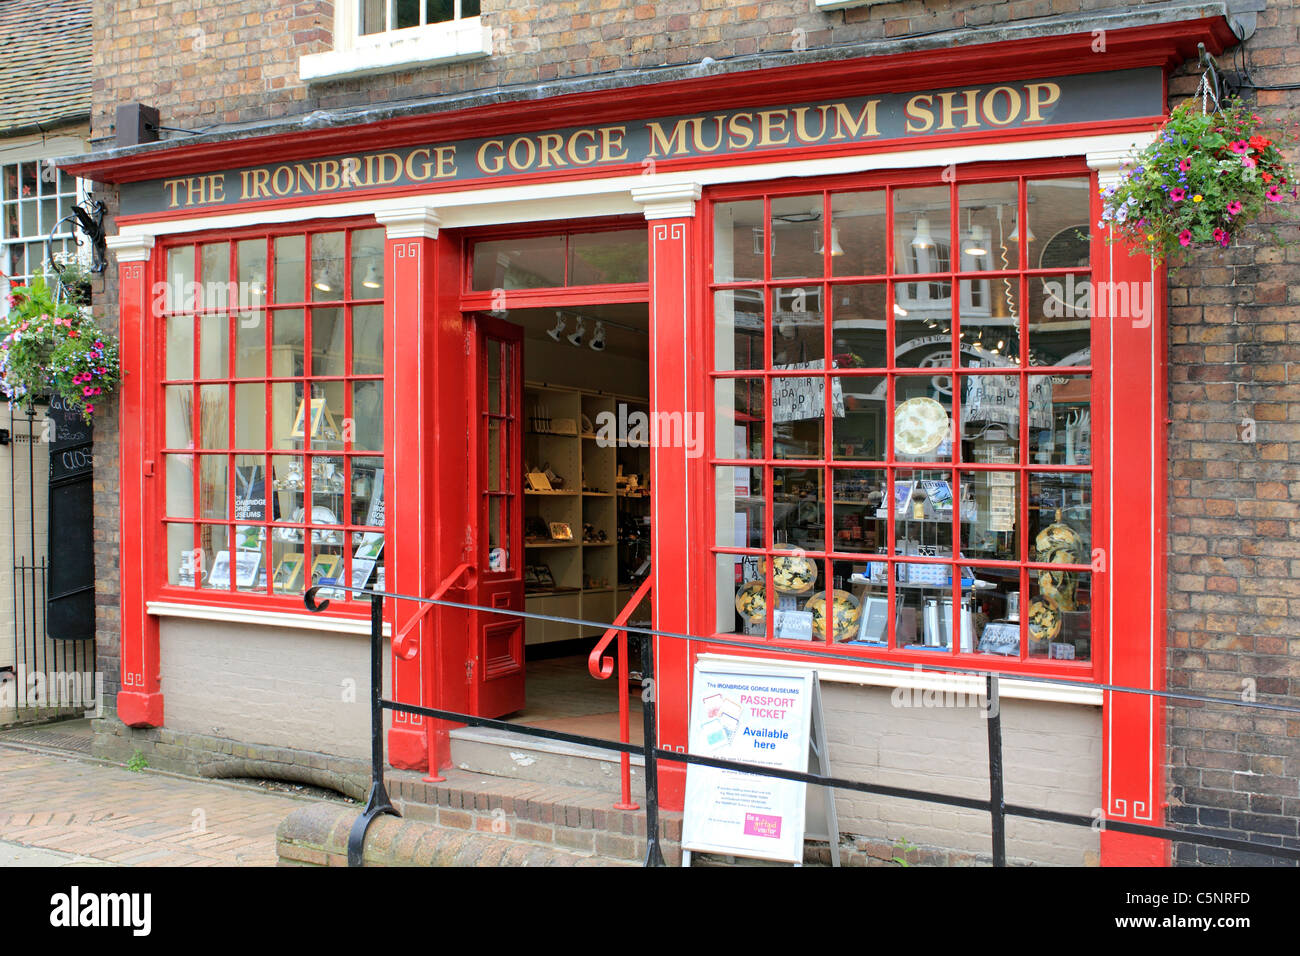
<point>739,134</point>
<point>866,119</point>
<point>662,144</point>
<point>495,163</point>
<point>772,131</point>
<point>1040,95</point>
<point>990,101</point>
<point>917,111</point>
<point>969,109</point>
<point>611,140</point>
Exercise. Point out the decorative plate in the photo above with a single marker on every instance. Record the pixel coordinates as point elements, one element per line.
<point>1044,621</point>
<point>1059,543</point>
<point>793,574</point>
<point>920,426</point>
<point>751,602</point>
<point>845,609</point>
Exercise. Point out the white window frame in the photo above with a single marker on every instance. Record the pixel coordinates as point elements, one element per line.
<point>64,240</point>
<point>357,54</point>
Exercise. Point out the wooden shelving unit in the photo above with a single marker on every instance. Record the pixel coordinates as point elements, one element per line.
<point>586,572</point>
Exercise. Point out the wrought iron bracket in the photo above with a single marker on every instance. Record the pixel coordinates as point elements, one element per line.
<point>88,218</point>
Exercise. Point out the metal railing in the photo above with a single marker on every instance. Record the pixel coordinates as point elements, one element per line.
<point>602,668</point>
<point>379,803</point>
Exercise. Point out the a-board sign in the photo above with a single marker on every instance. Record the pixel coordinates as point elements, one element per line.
<point>70,585</point>
<point>752,715</point>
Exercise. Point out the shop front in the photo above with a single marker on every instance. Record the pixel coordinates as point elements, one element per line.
<point>837,354</point>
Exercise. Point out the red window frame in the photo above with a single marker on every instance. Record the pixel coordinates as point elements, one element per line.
<point>1097,372</point>
<point>233,597</point>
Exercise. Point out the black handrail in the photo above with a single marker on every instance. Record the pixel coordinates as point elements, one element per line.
<point>378,802</point>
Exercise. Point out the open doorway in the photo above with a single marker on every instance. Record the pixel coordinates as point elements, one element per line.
<point>585,496</point>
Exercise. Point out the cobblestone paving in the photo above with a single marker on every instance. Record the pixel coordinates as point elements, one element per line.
<point>97,811</point>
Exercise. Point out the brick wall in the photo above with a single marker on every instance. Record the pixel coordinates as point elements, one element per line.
<point>1234,514</point>
<point>237,60</point>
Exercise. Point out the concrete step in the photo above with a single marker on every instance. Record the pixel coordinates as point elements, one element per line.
<point>498,753</point>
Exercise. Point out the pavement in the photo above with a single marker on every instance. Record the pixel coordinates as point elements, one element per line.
<point>60,809</point>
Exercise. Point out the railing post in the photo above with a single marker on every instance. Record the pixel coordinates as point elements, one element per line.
<point>378,801</point>
<point>997,801</point>
<point>653,855</point>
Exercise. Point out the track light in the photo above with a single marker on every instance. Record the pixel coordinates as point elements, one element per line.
<point>1015,233</point>
<point>322,282</point>
<point>836,248</point>
<point>977,244</point>
<point>559,327</point>
<point>372,280</point>
<point>598,337</point>
<point>576,338</point>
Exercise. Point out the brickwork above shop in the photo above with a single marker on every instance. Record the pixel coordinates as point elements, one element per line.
<point>237,62</point>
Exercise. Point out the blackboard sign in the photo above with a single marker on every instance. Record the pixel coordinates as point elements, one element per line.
<point>70,596</point>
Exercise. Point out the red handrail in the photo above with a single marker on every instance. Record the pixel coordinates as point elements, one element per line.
<point>603,668</point>
<point>404,645</point>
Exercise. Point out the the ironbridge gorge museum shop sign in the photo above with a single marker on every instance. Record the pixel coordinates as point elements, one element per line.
<point>1022,105</point>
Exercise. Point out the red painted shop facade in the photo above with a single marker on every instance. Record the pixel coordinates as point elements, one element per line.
<point>862,310</point>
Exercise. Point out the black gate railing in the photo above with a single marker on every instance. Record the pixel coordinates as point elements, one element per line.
<point>379,803</point>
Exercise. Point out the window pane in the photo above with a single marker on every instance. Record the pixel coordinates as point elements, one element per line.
<point>214,275</point>
<point>992,614</point>
<point>990,322</point>
<point>922,418</point>
<point>923,522</point>
<point>1060,420</point>
<point>798,326</point>
<point>990,515</point>
<point>214,541</point>
<point>990,418</point>
<point>738,411</point>
<point>288,485</point>
<point>1060,615</point>
<point>328,342</point>
<point>1060,316</point>
<point>859,433</point>
<point>740,507</point>
<point>858,234</point>
<point>921,222</point>
<point>326,266</point>
<point>250,267</point>
<point>250,416</point>
<point>922,335</point>
<point>798,414</point>
<point>439,11</point>
<point>179,281</point>
<point>406,13</point>
<point>469,8</point>
<point>368,491</point>
<point>799,507</point>
<point>858,496</point>
<point>796,230</point>
<point>525,263</point>
<point>858,325</point>
<point>214,345</point>
<point>738,329</point>
<point>251,492</point>
<point>287,343</point>
<point>1060,517</point>
<point>372,16</point>
<point>214,502</point>
<point>290,269</point>
<point>184,564</point>
<point>738,241</point>
<point>368,264</point>
<point>180,346</point>
<point>214,417</point>
<point>180,486</point>
<point>368,416</point>
<point>250,558</point>
<point>368,340</point>
<point>289,415</point>
<point>743,598</point>
<point>250,345</point>
<point>987,219</point>
<point>599,258</point>
<point>1060,223</point>
<point>327,491</point>
<point>327,415</point>
<point>179,400</point>
<point>288,558</point>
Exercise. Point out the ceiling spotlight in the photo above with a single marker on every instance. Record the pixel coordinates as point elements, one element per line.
<point>977,244</point>
<point>559,327</point>
<point>576,338</point>
<point>322,282</point>
<point>598,337</point>
<point>1015,233</point>
<point>836,248</point>
<point>921,238</point>
<point>373,279</point>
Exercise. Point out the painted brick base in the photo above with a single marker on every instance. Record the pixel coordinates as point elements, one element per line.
<point>202,755</point>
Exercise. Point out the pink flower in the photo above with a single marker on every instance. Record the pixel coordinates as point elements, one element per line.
<point>1220,237</point>
<point>1247,162</point>
<point>87,391</point>
<point>90,409</point>
<point>1178,194</point>
<point>1184,164</point>
<point>1234,207</point>
<point>1239,146</point>
<point>1185,237</point>
<point>1273,194</point>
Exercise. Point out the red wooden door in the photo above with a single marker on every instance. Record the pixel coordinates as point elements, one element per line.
<point>498,664</point>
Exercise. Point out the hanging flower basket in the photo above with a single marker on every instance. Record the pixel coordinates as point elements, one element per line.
<point>50,347</point>
<point>1206,176</point>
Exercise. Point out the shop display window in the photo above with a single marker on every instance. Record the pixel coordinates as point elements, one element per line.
<point>272,353</point>
<point>902,399</point>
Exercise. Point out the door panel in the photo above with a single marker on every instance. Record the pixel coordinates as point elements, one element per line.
<point>498,674</point>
